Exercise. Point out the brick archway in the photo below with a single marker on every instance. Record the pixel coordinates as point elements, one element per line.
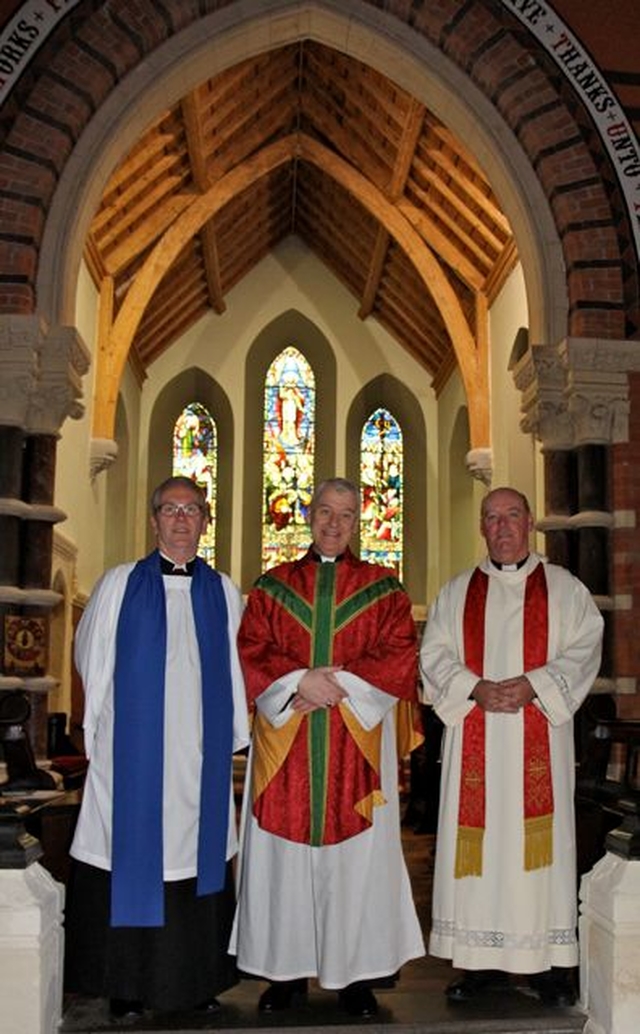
<point>96,46</point>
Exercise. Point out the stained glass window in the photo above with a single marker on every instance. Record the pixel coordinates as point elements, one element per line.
<point>195,455</point>
<point>288,452</point>
<point>381,484</point>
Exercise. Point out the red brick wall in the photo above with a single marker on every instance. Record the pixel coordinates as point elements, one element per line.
<point>625,558</point>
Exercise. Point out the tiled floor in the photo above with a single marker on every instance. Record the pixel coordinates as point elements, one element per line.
<point>416,1004</point>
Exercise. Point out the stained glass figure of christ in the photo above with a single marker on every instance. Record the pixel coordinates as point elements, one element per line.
<point>288,457</point>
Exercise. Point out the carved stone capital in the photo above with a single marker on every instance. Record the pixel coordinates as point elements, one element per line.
<point>597,388</point>
<point>576,392</point>
<point>541,378</point>
<point>600,413</point>
<point>63,359</point>
<point>19,341</point>
<point>40,374</point>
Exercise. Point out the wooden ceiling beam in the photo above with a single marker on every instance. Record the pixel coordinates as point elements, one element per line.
<point>354,88</point>
<point>507,262</point>
<point>194,137</point>
<point>452,143</point>
<point>455,230</point>
<point>195,148</point>
<point>348,141</point>
<point>404,158</point>
<point>152,229</point>
<point>411,132</point>
<point>374,273</point>
<point>154,143</point>
<point>273,105</point>
<point>442,245</point>
<point>466,186</point>
<point>130,204</point>
<point>468,215</point>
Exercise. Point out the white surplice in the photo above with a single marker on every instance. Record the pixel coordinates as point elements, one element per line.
<point>509,919</point>
<point>95,660</point>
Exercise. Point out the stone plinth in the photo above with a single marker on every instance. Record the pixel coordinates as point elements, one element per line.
<point>31,950</point>
<point>610,946</point>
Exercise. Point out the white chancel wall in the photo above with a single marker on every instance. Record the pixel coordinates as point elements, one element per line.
<point>291,278</point>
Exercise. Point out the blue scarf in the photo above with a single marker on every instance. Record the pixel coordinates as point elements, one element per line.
<point>137,891</point>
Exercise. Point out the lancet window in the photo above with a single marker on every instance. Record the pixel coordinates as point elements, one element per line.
<point>288,456</point>
<point>381,485</point>
<point>195,455</point>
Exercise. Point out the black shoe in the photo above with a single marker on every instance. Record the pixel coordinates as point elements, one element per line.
<point>473,982</point>
<point>280,994</point>
<point>209,1007</point>
<point>358,1000</point>
<point>125,1009</point>
<point>554,988</point>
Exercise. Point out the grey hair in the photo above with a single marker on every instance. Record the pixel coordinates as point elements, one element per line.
<point>339,485</point>
<point>177,481</point>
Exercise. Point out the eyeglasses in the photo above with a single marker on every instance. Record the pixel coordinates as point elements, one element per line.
<point>173,509</point>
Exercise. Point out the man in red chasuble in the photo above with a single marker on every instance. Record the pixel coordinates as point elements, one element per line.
<point>328,650</point>
<point>510,650</point>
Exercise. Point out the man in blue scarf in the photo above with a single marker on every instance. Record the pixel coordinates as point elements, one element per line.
<point>151,897</point>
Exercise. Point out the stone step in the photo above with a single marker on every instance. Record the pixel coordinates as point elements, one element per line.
<point>408,1009</point>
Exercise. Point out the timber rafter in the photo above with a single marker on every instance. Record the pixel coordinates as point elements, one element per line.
<point>301,140</point>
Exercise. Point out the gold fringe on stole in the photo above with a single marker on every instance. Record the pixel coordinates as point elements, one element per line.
<point>538,842</point>
<point>469,851</point>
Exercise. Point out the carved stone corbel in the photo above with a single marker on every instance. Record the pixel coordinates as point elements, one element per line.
<point>480,465</point>
<point>103,452</point>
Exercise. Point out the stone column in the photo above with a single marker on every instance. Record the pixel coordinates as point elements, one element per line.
<point>610,935</point>
<point>40,374</point>
<point>576,402</point>
<point>31,935</point>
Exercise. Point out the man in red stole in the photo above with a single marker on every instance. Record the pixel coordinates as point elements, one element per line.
<point>328,650</point>
<point>510,651</point>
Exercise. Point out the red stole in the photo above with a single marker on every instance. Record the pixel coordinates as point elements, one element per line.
<point>538,790</point>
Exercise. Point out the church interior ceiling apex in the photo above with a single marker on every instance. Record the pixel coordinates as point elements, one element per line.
<point>304,140</point>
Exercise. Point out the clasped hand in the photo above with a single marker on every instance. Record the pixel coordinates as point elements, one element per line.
<point>508,695</point>
<point>318,687</point>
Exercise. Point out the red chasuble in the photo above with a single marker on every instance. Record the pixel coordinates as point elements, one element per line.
<point>537,789</point>
<point>317,779</point>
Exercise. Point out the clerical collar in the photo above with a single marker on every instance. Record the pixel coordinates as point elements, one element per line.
<point>509,567</point>
<point>169,566</point>
<point>326,559</point>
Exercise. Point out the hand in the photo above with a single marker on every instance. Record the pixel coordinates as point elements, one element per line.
<point>318,687</point>
<point>507,696</point>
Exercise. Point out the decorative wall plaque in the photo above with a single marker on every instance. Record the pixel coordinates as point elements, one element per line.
<point>25,645</point>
